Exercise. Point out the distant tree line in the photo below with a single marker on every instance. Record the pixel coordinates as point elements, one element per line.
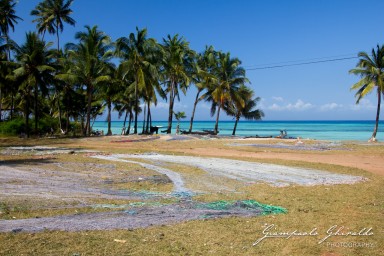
<point>78,82</point>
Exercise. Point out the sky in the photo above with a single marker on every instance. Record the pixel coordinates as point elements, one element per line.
<point>261,34</point>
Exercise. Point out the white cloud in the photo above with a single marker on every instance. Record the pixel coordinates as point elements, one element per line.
<point>330,106</point>
<point>165,105</point>
<point>364,104</point>
<point>278,98</point>
<point>275,107</point>
<point>299,105</point>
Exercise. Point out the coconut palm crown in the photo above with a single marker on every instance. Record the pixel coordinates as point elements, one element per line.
<point>371,70</point>
<point>51,16</point>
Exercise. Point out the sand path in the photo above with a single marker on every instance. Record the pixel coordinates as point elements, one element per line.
<point>174,176</point>
<point>276,175</point>
<point>371,163</point>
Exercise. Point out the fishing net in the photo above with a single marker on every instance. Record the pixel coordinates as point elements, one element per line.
<point>242,205</point>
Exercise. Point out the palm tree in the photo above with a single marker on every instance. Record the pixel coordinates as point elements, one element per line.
<point>51,15</point>
<point>35,71</point>
<point>124,106</point>
<point>8,19</point>
<point>203,77</point>
<point>177,66</point>
<point>179,115</point>
<point>109,90</point>
<point>8,84</point>
<point>229,77</point>
<point>90,57</point>
<point>244,107</point>
<point>371,71</point>
<point>4,70</point>
<point>136,52</point>
<point>153,86</point>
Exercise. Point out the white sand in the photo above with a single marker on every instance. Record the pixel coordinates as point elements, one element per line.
<point>276,175</point>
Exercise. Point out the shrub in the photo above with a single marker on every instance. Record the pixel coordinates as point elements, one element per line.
<point>12,127</point>
<point>16,126</point>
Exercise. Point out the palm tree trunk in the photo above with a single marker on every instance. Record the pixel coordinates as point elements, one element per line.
<point>1,103</point>
<point>59,108</point>
<point>170,112</point>
<point>58,39</point>
<point>82,124</point>
<point>150,119</point>
<point>87,131</point>
<point>193,111</point>
<point>147,130</point>
<point>129,123</point>
<point>144,116</point>
<point>67,114</point>
<point>377,116</point>
<point>109,117</point>
<point>234,128</point>
<point>27,115</point>
<point>217,120</point>
<point>125,118</point>
<point>66,122</point>
<point>12,99</point>
<point>136,104</point>
<point>36,114</point>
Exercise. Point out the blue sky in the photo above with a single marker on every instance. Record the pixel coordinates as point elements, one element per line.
<point>260,33</point>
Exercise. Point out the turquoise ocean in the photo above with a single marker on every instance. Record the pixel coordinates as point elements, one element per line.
<point>320,130</point>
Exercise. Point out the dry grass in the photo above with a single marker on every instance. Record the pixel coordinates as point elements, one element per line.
<point>353,206</point>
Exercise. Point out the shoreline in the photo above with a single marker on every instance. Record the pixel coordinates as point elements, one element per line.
<point>319,130</point>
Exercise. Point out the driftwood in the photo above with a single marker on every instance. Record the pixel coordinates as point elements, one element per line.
<point>204,132</point>
<point>257,136</point>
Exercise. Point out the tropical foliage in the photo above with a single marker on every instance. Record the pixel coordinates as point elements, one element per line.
<point>139,57</point>
<point>8,19</point>
<point>51,15</point>
<point>93,75</point>
<point>34,73</point>
<point>244,106</point>
<point>371,70</point>
<point>177,65</point>
<point>90,65</point>
<point>229,75</point>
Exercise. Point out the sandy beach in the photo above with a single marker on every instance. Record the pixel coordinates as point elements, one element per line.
<point>145,184</point>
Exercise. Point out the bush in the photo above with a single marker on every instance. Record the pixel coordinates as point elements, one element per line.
<point>47,125</point>
<point>17,126</point>
<point>12,127</point>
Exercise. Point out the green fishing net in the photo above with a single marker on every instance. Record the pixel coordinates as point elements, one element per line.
<point>243,204</point>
